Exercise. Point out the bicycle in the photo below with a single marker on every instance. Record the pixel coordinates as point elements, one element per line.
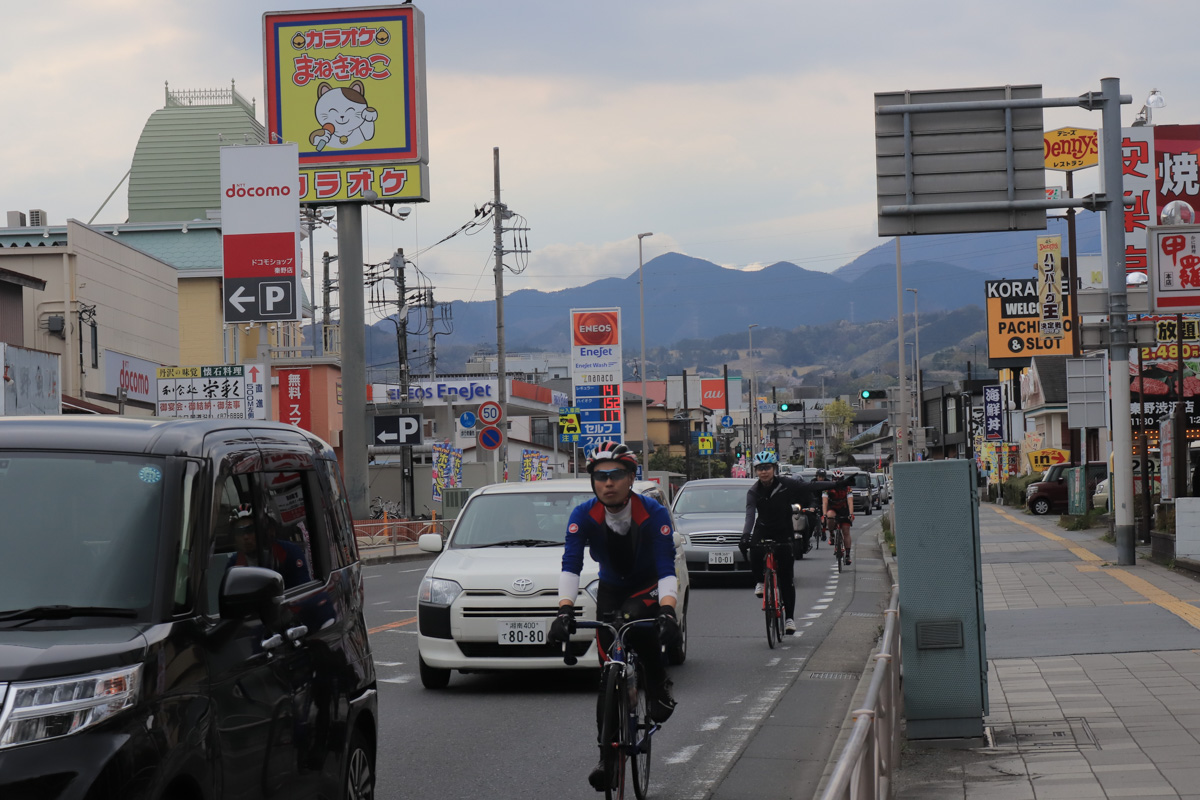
<point>626,726</point>
<point>773,610</point>
<point>839,547</point>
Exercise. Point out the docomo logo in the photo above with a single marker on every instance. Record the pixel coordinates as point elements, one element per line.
<point>594,328</point>
<point>242,190</point>
<point>135,382</point>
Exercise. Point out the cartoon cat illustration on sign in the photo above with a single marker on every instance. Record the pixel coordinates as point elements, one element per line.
<point>346,119</point>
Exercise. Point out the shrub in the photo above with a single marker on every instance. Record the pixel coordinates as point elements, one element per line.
<point>1014,489</point>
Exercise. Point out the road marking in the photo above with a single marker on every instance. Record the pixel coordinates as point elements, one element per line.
<point>397,679</point>
<point>381,603</point>
<point>403,610</point>
<point>774,662</point>
<point>418,569</point>
<point>736,699</point>
<point>410,633</point>
<point>1081,553</point>
<point>820,607</point>
<point>733,740</point>
<point>391,625</point>
<point>712,723</point>
<point>389,663</point>
<point>372,576</point>
<point>811,616</point>
<point>1159,597</point>
<point>683,756</point>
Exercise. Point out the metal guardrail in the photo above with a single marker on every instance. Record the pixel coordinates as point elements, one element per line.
<point>869,761</point>
<point>381,533</point>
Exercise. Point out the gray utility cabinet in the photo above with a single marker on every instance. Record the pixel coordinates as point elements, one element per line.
<point>941,599</point>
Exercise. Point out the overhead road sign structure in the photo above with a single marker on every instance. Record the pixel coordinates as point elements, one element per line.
<point>397,429</point>
<point>960,160</point>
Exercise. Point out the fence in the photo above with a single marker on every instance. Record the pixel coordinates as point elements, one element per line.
<point>868,763</point>
<point>377,534</point>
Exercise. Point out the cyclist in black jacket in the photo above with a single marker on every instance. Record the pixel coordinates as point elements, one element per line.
<point>769,516</point>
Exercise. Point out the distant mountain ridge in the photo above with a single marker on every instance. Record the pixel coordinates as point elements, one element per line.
<point>690,298</point>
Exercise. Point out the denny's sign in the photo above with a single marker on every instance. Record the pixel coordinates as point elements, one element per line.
<point>1014,324</point>
<point>1069,149</point>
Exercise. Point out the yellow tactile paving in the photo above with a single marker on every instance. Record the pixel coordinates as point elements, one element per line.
<point>1080,552</point>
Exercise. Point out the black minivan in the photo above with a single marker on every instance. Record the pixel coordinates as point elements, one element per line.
<point>181,614</point>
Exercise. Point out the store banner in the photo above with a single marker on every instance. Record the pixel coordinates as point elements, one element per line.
<point>1051,310</point>
<point>993,414</point>
<point>295,400</point>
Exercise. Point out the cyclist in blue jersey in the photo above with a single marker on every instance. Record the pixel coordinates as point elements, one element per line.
<point>632,539</point>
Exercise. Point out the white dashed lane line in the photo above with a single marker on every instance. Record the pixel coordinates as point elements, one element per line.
<point>397,679</point>
<point>712,723</point>
<point>389,663</point>
<point>773,662</point>
<point>682,756</point>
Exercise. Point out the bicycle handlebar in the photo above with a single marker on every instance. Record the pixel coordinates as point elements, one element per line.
<point>618,633</point>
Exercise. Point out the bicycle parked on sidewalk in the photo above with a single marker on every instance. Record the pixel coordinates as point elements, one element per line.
<point>626,726</point>
<point>772,601</point>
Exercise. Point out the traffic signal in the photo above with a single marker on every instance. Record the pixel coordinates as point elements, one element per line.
<point>873,394</point>
<point>785,406</point>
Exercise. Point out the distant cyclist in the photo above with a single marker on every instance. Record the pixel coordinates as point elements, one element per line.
<point>769,516</point>
<point>838,509</point>
<point>632,539</point>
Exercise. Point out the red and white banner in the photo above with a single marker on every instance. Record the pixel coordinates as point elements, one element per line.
<point>295,397</point>
<point>260,227</point>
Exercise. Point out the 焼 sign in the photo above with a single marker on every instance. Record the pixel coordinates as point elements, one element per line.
<point>260,233</point>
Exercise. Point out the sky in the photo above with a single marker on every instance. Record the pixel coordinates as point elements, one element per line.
<point>741,133</point>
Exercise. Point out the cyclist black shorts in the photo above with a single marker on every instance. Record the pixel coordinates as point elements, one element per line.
<point>842,516</point>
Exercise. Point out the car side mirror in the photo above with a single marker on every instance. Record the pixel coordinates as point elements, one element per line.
<point>430,542</point>
<point>251,591</point>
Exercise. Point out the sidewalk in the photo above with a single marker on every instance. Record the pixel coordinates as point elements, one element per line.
<point>1094,675</point>
<point>388,553</point>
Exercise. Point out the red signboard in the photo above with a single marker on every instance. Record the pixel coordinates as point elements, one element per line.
<point>295,397</point>
<point>1175,165</point>
<point>594,328</point>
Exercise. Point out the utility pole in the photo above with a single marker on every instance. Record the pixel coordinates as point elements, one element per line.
<point>429,305</point>
<point>498,210</point>
<point>401,323</point>
<point>326,287</point>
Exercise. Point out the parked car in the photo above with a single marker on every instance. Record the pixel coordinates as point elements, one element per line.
<point>1050,493</point>
<point>885,489</point>
<point>1100,497</point>
<point>180,613</point>
<point>487,601</point>
<point>710,514</point>
<point>865,491</point>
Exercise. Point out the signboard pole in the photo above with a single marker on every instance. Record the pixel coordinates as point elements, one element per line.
<point>498,223</point>
<point>264,357</point>
<point>1118,305</point>
<point>354,368</point>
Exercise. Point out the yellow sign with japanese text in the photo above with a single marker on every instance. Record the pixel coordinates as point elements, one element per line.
<point>1013,324</point>
<point>1040,460</point>
<point>1050,287</point>
<point>1069,149</point>
<point>348,86</point>
<point>334,184</point>
<point>568,424</point>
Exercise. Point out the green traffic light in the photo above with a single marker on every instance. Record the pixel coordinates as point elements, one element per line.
<point>866,394</point>
<point>784,406</point>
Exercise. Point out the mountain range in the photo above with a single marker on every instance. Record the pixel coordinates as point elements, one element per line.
<point>690,298</point>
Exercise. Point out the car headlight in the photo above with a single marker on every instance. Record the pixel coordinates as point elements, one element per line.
<point>439,591</point>
<point>593,589</point>
<point>49,709</point>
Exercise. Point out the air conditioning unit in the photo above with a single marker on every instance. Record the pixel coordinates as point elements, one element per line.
<point>37,218</point>
<point>16,219</point>
<point>453,500</point>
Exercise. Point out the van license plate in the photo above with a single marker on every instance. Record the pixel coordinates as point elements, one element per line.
<point>521,631</point>
<point>721,557</point>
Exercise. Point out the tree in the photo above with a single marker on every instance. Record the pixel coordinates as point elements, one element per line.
<point>839,415</point>
<point>661,460</point>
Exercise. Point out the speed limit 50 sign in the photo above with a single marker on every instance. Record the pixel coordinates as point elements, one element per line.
<point>490,412</point>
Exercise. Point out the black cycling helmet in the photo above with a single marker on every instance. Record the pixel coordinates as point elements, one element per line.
<point>820,475</point>
<point>612,451</point>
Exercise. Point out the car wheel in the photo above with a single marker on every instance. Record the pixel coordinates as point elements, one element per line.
<point>360,768</point>
<point>677,653</point>
<point>1040,506</point>
<point>433,677</point>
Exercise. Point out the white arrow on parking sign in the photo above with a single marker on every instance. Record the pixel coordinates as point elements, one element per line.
<point>239,302</point>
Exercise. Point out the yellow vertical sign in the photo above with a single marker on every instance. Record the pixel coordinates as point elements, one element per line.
<point>1050,293</point>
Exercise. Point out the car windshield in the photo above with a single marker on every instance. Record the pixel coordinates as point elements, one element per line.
<point>525,519</point>
<point>711,500</point>
<point>81,530</point>
<point>862,480</point>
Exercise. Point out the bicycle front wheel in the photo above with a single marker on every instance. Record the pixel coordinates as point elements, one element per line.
<point>839,550</point>
<point>615,718</point>
<point>639,745</point>
<point>770,598</point>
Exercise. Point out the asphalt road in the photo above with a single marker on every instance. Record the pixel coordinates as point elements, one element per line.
<point>532,734</point>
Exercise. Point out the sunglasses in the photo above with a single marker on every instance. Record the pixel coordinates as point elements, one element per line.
<point>602,475</point>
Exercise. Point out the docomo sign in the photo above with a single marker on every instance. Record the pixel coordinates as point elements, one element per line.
<point>1069,149</point>
<point>241,190</point>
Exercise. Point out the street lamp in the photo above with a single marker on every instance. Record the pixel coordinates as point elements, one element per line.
<point>753,400</point>
<point>642,311</point>
<point>917,368</point>
<point>1146,115</point>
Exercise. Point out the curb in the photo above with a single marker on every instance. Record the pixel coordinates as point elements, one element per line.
<point>864,682</point>
<point>392,554</point>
